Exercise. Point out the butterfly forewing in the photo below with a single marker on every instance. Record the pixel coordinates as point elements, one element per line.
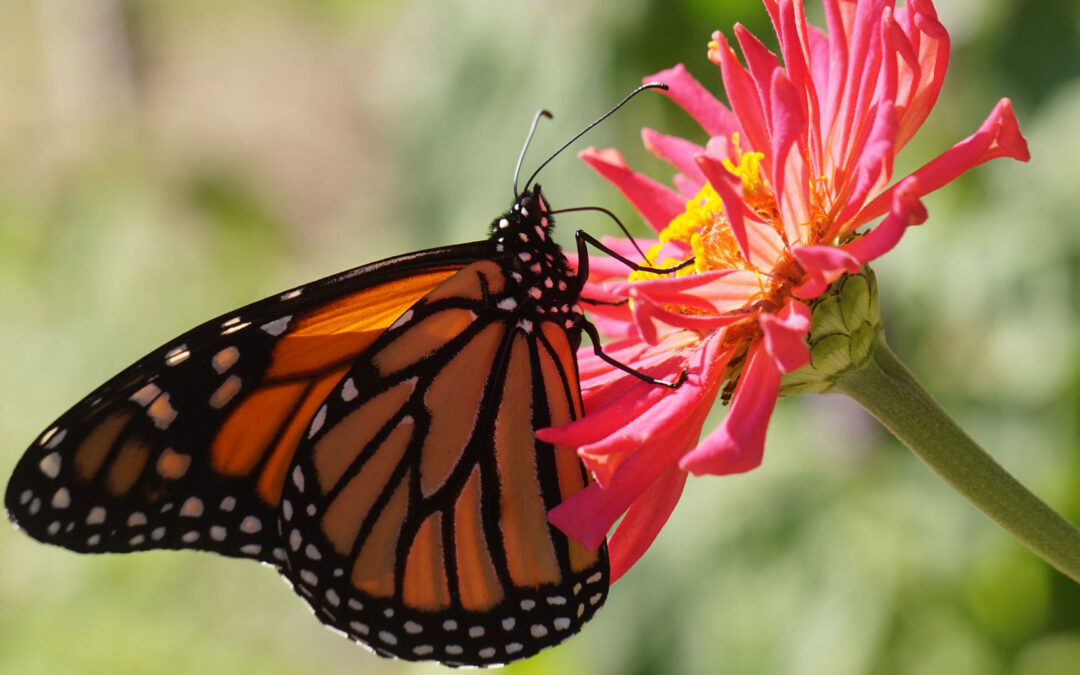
<point>188,447</point>
<point>425,535</point>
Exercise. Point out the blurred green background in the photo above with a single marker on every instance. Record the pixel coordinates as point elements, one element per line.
<point>162,161</point>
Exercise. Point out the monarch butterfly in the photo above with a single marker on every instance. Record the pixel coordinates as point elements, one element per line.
<point>370,435</point>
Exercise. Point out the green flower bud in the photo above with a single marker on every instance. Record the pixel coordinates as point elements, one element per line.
<point>844,322</point>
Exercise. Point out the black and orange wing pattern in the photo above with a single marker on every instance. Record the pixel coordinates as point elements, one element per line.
<point>371,435</point>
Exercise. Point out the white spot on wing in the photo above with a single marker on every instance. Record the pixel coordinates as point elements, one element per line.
<point>177,355</point>
<point>96,516</point>
<point>508,623</point>
<point>402,320</point>
<point>190,537</point>
<point>348,390</point>
<point>50,464</point>
<point>217,533</point>
<point>298,478</point>
<point>277,326</point>
<point>162,412</point>
<point>226,392</point>
<point>250,525</point>
<point>359,628</point>
<point>61,499</point>
<point>562,623</point>
<point>251,549</point>
<point>53,438</point>
<point>332,597</point>
<point>292,294</point>
<point>538,630</point>
<point>513,648</point>
<point>225,359</point>
<point>228,504</point>
<point>147,394</point>
<point>136,519</point>
<point>235,327</point>
<point>508,304</point>
<point>316,424</point>
<point>192,508</point>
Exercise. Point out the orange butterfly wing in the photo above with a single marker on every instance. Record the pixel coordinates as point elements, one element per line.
<point>424,534</point>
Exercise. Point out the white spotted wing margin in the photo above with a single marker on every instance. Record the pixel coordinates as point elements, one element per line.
<point>130,467</point>
<point>388,507</point>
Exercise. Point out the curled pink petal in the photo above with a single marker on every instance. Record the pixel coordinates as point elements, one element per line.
<point>999,136</point>
<point>785,335</point>
<point>823,265</point>
<point>907,210</point>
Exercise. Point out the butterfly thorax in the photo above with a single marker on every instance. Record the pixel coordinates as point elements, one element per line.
<point>541,281</point>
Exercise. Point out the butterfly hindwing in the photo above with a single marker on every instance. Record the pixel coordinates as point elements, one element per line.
<point>425,535</point>
<point>189,446</point>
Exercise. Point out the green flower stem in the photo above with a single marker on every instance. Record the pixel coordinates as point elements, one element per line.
<point>888,390</point>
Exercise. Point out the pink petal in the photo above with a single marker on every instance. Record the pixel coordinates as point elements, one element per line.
<point>676,151</point>
<point>747,96</point>
<point>656,203</point>
<point>875,166</point>
<point>643,521</point>
<point>823,265</point>
<point>788,125</point>
<point>999,136</point>
<point>931,40</point>
<point>651,317</point>
<point>587,515</point>
<point>907,210</point>
<point>738,444</point>
<point>729,189</point>
<point>785,335</point>
<point>695,99</point>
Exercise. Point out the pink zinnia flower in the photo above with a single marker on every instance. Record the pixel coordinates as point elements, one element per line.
<point>771,209</point>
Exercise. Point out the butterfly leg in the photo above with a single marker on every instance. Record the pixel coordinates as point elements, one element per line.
<point>583,240</point>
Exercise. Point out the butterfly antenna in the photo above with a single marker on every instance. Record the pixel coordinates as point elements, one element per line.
<point>648,85</point>
<point>528,139</point>
<point>618,222</point>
